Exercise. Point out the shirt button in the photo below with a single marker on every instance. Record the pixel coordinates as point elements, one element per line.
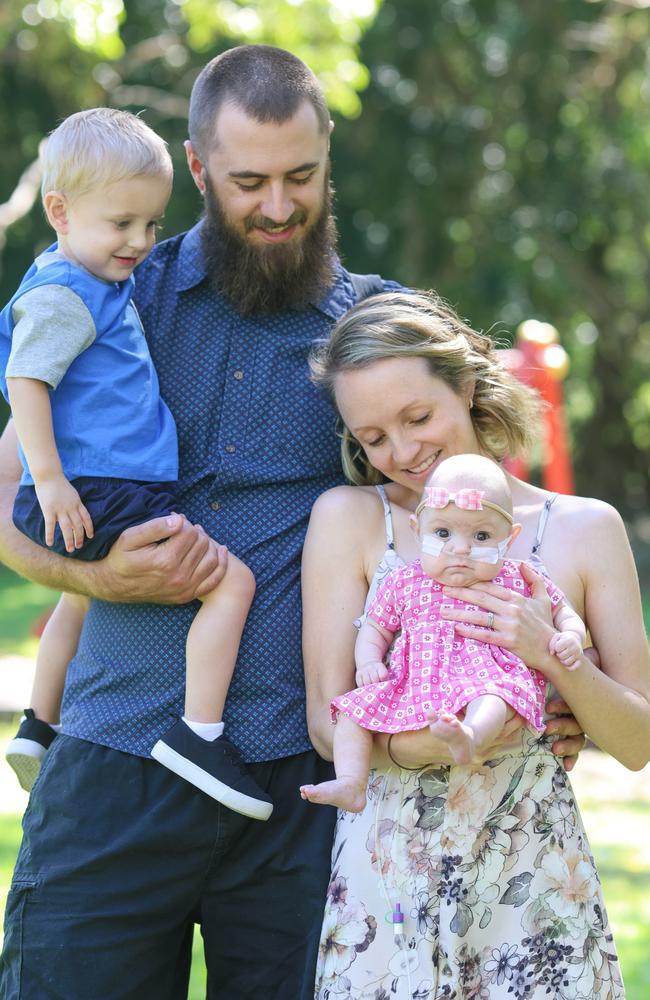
<point>230,448</point>
<point>239,375</point>
<point>215,505</point>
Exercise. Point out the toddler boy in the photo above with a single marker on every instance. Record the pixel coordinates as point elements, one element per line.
<point>97,443</point>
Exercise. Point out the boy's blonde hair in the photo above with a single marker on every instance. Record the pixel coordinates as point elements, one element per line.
<point>101,146</point>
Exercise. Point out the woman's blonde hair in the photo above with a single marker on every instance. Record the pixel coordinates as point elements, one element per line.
<point>504,412</point>
<point>102,146</point>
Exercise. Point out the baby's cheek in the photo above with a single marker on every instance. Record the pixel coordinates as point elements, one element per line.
<point>432,566</point>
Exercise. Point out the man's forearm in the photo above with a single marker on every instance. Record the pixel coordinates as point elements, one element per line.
<point>35,562</point>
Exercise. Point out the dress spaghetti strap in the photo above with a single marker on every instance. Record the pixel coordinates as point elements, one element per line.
<point>535,559</point>
<point>388,516</point>
<point>390,559</point>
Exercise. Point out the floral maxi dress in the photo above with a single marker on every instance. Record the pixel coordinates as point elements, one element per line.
<point>493,873</point>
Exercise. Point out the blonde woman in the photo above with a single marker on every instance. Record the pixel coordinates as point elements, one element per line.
<point>472,880</point>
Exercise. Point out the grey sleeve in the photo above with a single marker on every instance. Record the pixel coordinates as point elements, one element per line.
<point>53,326</point>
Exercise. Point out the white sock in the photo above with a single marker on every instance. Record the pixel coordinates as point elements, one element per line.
<point>206,730</point>
<point>56,726</point>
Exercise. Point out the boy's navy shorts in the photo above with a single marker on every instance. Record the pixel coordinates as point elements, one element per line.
<point>113,504</point>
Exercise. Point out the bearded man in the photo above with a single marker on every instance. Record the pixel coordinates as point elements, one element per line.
<point>121,857</point>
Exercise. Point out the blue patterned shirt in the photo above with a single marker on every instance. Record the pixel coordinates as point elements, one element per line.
<point>257,445</point>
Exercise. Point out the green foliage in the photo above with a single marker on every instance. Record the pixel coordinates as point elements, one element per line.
<point>23,607</point>
<point>502,156</point>
<point>62,55</point>
<point>324,33</point>
<point>508,148</point>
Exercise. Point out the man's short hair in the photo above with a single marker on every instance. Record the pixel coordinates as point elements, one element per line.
<point>101,146</point>
<point>267,83</point>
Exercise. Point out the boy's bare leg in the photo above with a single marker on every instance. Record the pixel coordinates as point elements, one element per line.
<point>40,723</point>
<point>484,719</point>
<point>194,747</point>
<point>57,647</point>
<point>213,643</point>
<point>352,748</point>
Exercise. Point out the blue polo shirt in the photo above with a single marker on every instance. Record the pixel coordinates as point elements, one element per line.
<point>257,445</point>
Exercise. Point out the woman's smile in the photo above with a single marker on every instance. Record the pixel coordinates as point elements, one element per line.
<point>405,418</point>
<point>425,467</point>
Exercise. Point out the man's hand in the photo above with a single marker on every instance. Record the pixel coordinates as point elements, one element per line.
<point>61,504</point>
<point>564,725</point>
<point>164,561</point>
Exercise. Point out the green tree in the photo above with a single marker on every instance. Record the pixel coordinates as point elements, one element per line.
<point>501,156</point>
<point>143,55</point>
<point>508,152</point>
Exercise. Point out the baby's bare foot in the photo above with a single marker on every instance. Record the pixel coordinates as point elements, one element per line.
<point>458,737</point>
<point>345,793</point>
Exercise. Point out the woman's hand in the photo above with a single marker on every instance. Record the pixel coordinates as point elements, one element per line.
<point>523,625</point>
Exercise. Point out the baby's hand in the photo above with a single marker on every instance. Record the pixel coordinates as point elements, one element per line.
<point>566,646</point>
<point>370,673</point>
<point>61,504</point>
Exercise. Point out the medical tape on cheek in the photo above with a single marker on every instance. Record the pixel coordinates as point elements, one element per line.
<point>481,553</point>
<point>432,545</point>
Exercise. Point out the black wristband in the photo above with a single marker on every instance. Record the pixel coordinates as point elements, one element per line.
<point>396,762</point>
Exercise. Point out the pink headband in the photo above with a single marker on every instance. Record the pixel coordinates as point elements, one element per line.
<point>437,497</point>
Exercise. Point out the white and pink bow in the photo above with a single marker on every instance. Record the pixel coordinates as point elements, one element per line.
<point>439,497</point>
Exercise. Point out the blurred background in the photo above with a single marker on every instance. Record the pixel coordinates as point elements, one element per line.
<point>496,150</point>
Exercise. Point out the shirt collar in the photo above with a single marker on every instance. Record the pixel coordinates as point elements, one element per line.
<point>191,266</point>
<point>191,272</point>
<point>340,297</point>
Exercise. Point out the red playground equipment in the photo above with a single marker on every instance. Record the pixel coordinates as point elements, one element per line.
<point>539,360</point>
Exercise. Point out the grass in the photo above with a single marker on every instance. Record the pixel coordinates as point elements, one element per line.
<point>615,805</point>
<point>22,604</point>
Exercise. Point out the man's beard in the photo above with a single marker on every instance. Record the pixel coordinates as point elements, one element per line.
<point>265,279</point>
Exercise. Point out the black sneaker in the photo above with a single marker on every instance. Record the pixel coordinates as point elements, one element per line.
<point>26,751</point>
<point>215,767</point>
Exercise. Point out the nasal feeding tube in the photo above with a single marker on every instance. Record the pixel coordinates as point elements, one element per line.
<point>397,920</point>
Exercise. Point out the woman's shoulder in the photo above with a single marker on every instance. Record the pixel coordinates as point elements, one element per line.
<point>347,501</point>
<point>585,534</point>
<point>586,512</point>
<point>353,511</point>
<point>565,511</point>
<point>350,522</point>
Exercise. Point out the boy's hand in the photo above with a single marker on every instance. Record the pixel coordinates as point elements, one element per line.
<point>61,504</point>
<point>567,648</point>
<point>370,673</point>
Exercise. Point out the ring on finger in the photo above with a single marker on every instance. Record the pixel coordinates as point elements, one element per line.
<point>490,619</point>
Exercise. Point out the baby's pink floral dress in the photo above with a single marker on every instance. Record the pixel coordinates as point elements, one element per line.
<point>431,667</point>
